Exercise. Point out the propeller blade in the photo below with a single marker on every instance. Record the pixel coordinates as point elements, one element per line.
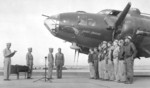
<point>112,24</point>
<point>75,55</point>
<point>120,20</point>
<point>122,15</point>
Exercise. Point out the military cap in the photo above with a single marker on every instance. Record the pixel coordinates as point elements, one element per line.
<point>104,42</point>
<point>50,48</point>
<point>29,48</point>
<point>128,37</point>
<point>8,43</point>
<point>116,40</point>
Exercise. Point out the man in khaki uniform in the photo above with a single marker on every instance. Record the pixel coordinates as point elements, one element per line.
<point>115,58</point>
<point>7,61</point>
<point>50,63</point>
<point>129,55</point>
<point>29,61</point>
<point>110,62</point>
<point>59,62</point>
<point>121,64</point>
<point>99,60</point>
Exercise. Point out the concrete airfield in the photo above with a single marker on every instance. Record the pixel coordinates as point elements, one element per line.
<point>73,79</point>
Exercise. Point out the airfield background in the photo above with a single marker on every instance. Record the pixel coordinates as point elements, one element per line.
<point>21,24</point>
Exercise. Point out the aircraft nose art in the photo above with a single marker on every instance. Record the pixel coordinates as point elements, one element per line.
<point>52,23</point>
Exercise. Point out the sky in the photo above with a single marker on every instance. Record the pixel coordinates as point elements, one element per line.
<point>22,24</point>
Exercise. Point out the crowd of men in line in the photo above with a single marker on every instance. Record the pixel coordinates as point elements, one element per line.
<point>59,62</point>
<point>110,61</point>
<point>113,61</point>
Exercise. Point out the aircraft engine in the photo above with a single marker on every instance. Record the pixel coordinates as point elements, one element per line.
<point>77,49</point>
<point>74,46</point>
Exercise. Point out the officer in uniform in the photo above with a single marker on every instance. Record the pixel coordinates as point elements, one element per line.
<point>7,61</point>
<point>91,64</point>
<point>29,62</point>
<point>121,65</point>
<point>115,58</point>
<point>95,58</point>
<point>129,55</point>
<point>105,62</point>
<point>59,62</point>
<point>110,62</point>
<point>50,63</point>
<point>99,60</point>
<point>102,60</point>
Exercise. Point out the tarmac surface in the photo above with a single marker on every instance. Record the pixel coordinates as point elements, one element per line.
<point>70,79</point>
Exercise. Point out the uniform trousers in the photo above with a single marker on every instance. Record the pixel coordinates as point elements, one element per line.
<point>129,69</point>
<point>59,71</point>
<point>111,70</point>
<point>101,69</point>
<point>121,71</point>
<point>29,74</point>
<point>96,69</point>
<point>91,68</point>
<point>106,75</point>
<point>7,68</point>
<point>50,70</point>
<point>115,61</point>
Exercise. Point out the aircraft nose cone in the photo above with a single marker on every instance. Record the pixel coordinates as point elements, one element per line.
<point>52,23</point>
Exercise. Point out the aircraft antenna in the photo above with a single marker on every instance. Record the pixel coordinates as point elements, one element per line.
<point>145,14</point>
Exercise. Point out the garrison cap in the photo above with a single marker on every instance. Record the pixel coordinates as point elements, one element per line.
<point>8,43</point>
<point>128,37</point>
<point>110,42</point>
<point>104,42</point>
<point>50,48</point>
<point>29,48</point>
<point>116,40</point>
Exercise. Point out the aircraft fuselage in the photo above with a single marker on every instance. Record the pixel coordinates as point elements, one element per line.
<point>89,29</point>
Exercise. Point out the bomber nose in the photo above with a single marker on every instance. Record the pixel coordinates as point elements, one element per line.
<point>52,23</point>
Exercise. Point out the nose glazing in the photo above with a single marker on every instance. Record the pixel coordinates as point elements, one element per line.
<point>52,23</point>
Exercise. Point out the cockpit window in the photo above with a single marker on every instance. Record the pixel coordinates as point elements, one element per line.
<point>82,20</point>
<point>109,12</point>
<point>104,12</point>
<point>91,22</point>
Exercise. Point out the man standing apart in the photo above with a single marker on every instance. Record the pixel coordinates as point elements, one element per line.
<point>7,61</point>
<point>95,58</point>
<point>91,63</point>
<point>50,63</point>
<point>59,62</point>
<point>129,55</point>
<point>29,59</point>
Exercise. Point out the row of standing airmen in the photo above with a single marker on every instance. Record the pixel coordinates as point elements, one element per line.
<point>113,61</point>
<point>59,62</point>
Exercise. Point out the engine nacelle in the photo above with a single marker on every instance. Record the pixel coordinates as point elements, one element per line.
<point>75,46</point>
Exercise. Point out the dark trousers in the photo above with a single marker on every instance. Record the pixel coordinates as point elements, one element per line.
<point>96,69</point>
<point>29,74</point>
<point>59,71</point>
<point>129,69</point>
